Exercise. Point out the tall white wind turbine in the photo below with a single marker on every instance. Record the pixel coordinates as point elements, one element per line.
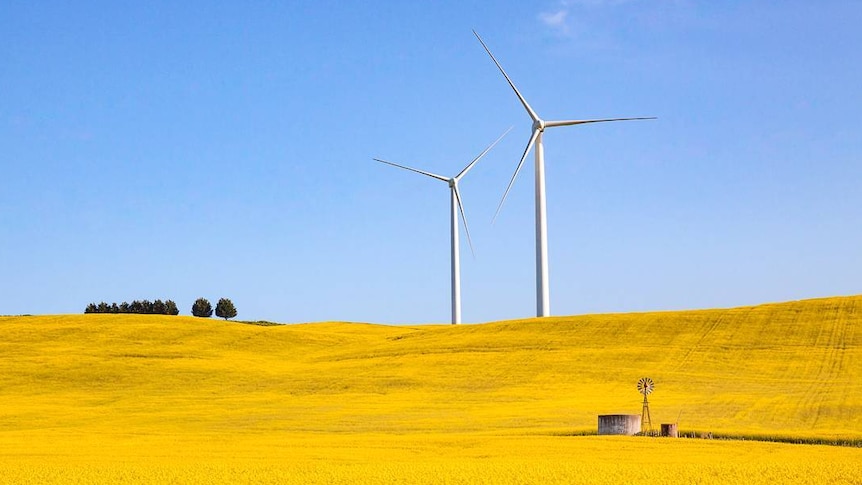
<point>543,303</point>
<point>455,206</point>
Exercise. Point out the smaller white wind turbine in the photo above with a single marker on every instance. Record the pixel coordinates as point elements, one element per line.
<point>456,206</point>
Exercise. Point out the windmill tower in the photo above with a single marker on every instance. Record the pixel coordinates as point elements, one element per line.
<point>645,386</point>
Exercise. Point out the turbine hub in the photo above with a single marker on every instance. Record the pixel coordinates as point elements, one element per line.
<point>452,183</point>
<point>539,125</point>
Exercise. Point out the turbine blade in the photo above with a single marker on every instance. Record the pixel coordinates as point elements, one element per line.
<point>468,167</point>
<point>530,111</point>
<point>464,218</point>
<point>518,169</point>
<point>438,177</point>
<point>551,124</point>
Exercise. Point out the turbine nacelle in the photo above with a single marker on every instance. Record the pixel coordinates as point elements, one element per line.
<point>539,125</point>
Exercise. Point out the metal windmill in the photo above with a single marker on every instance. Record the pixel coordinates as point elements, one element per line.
<point>645,386</point>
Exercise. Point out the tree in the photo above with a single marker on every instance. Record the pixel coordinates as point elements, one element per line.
<point>225,309</point>
<point>135,307</point>
<point>202,308</point>
<point>171,308</point>
<point>159,307</point>
<point>91,308</point>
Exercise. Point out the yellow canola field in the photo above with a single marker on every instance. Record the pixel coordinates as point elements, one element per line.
<point>138,398</point>
<point>434,459</point>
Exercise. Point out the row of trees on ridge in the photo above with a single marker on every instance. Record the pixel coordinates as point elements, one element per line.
<point>147,307</point>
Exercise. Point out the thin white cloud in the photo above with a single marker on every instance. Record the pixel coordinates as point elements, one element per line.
<point>554,19</point>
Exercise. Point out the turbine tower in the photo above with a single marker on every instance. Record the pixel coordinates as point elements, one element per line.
<point>455,206</point>
<point>543,303</point>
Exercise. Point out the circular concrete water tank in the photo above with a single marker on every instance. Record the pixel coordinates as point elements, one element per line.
<point>623,424</point>
<point>670,430</point>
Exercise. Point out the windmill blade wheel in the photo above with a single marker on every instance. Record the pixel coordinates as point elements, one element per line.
<point>645,385</point>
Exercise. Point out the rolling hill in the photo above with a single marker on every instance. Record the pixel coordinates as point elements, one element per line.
<point>75,384</point>
<point>789,368</point>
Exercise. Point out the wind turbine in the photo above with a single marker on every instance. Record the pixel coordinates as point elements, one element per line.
<point>456,206</point>
<point>543,302</point>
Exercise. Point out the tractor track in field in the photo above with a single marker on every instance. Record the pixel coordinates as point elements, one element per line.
<point>704,336</point>
<point>832,342</point>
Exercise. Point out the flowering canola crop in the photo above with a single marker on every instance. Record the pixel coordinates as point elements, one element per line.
<point>155,399</point>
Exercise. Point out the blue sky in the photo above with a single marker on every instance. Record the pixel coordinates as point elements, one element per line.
<point>185,149</point>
